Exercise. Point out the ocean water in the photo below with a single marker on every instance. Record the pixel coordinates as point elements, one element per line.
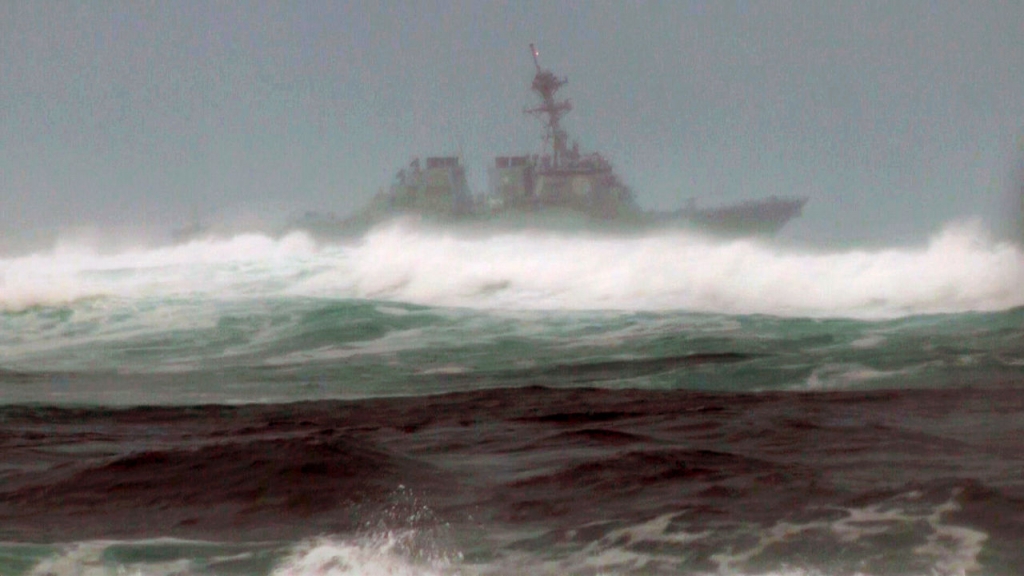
<point>424,401</point>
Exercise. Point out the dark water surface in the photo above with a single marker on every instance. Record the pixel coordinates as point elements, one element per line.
<point>882,482</point>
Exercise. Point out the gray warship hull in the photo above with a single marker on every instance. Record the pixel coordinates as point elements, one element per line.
<point>755,218</point>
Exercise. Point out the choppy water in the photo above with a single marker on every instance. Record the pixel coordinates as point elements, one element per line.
<point>426,402</point>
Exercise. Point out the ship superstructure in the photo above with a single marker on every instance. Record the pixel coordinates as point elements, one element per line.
<point>562,177</point>
<point>439,188</point>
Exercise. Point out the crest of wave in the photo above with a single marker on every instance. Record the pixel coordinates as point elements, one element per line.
<point>959,269</point>
<point>73,271</point>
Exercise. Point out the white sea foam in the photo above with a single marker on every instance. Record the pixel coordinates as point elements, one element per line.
<point>670,545</point>
<point>248,264</point>
<point>87,559</point>
<point>370,557</point>
<point>950,550</point>
<point>849,376</point>
<point>393,553</point>
<point>959,270</point>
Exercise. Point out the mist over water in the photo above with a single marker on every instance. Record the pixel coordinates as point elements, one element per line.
<point>959,269</point>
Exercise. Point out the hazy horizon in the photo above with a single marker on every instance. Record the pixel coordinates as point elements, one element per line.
<point>124,120</point>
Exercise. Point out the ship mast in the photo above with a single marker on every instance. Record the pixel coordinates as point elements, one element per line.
<point>546,84</point>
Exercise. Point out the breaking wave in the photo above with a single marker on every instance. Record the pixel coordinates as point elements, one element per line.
<point>959,270</point>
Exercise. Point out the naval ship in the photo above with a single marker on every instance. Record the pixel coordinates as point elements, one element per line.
<point>559,186</point>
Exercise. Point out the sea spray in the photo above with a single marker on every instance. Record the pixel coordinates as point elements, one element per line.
<point>406,539</point>
<point>960,269</point>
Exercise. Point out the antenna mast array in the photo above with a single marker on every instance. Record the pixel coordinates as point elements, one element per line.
<point>546,84</point>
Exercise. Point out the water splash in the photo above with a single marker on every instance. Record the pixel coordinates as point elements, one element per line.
<point>960,269</point>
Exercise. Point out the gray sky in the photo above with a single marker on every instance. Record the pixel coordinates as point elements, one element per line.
<point>893,117</point>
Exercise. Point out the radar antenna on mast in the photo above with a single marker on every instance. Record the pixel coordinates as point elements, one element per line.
<point>546,84</point>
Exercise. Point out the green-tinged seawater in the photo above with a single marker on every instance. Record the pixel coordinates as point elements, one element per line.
<point>117,351</point>
<point>162,557</point>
